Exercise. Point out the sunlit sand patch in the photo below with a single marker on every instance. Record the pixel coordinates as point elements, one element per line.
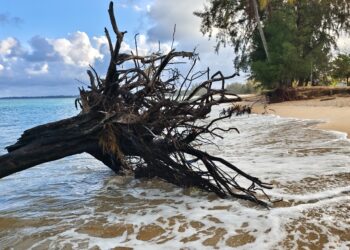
<point>196,224</point>
<point>172,220</point>
<point>99,229</point>
<point>312,151</point>
<point>149,232</point>
<point>314,184</point>
<point>23,223</point>
<point>123,213</point>
<point>213,219</point>
<point>18,228</point>
<point>240,239</point>
<point>320,228</point>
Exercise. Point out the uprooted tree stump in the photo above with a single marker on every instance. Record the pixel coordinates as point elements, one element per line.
<point>140,119</point>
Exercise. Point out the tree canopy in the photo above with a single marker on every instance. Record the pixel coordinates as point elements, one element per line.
<point>341,67</point>
<point>299,34</point>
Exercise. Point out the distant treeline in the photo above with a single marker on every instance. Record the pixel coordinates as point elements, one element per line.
<point>239,88</point>
<point>236,88</point>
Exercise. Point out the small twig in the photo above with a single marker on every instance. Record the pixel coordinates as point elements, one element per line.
<point>172,42</point>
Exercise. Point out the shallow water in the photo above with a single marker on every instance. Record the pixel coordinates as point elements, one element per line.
<point>77,202</point>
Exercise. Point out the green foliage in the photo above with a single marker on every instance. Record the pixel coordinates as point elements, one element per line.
<point>280,33</point>
<point>289,59</point>
<point>233,24</point>
<point>239,88</point>
<point>300,35</point>
<point>341,67</point>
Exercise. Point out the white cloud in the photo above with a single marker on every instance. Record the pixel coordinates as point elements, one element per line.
<point>77,49</point>
<point>7,45</point>
<point>137,8</point>
<point>188,35</point>
<point>40,50</point>
<point>52,64</point>
<point>68,56</point>
<point>125,48</point>
<point>144,46</point>
<point>100,41</point>
<point>147,47</point>
<point>38,69</point>
<point>165,14</point>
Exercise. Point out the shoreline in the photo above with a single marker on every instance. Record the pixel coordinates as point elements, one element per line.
<point>335,111</point>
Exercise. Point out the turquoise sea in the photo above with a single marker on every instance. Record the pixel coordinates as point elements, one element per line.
<point>78,203</point>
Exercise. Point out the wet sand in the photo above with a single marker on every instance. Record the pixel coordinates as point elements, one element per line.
<point>334,112</point>
<point>77,203</point>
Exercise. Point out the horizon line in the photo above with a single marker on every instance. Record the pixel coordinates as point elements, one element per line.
<point>33,97</point>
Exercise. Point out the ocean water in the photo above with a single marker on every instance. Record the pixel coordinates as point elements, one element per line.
<point>78,203</point>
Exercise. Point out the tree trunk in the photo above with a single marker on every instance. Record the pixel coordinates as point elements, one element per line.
<point>260,28</point>
<point>50,142</point>
<point>135,121</point>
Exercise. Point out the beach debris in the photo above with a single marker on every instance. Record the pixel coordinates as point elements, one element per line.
<point>306,93</point>
<point>143,119</point>
<point>327,99</point>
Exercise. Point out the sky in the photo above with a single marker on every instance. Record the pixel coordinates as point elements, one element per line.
<point>46,46</point>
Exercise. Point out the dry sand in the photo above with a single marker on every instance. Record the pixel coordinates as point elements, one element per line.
<point>335,112</point>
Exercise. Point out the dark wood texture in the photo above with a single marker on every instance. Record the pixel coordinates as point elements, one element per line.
<point>144,118</point>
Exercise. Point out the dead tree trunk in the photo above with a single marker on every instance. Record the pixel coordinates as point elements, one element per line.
<point>54,141</point>
<point>140,120</point>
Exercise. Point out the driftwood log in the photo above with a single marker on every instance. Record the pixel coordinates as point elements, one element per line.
<point>141,120</point>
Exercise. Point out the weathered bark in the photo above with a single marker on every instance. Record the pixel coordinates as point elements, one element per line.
<point>260,28</point>
<point>137,120</point>
<point>52,141</point>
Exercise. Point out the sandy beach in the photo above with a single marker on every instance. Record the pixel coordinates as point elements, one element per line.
<point>78,203</point>
<point>334,112</point>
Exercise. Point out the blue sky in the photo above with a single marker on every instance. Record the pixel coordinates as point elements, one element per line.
<point>58,18</point>
<point>46,46</point>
